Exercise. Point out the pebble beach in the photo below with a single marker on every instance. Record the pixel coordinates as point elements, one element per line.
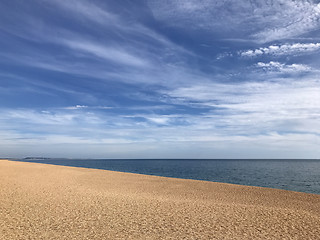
<point>40,201</point>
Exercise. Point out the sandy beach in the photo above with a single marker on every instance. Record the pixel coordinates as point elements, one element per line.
<point>39,201</point>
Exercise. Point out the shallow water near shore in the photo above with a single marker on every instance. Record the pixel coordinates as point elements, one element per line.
<point>294,175</point>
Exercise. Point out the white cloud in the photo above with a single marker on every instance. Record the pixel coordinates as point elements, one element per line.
<point>285,49</point>
<point>284,68</point>
<point>159,120</point>
<point>76,107</point>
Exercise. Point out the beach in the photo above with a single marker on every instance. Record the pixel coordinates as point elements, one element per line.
<point>39,201</point>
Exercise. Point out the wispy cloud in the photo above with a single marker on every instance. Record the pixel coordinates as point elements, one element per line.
<point>108,20</point>
<point>86,9</point>
<point>262,21</point>
<point>290,19</point>
<point>106,52</point>
<point>101,56</point>
<point>257,106</point>
<point>204,135</point>
<point>34,117</point>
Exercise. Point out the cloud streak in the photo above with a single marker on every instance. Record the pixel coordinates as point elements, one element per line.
<point>86,9</point>
<point>107,53</point>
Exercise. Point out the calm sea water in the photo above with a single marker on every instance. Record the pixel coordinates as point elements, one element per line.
<point>295,175</point>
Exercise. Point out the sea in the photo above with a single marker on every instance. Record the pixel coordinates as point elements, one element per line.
<point>295,175</point>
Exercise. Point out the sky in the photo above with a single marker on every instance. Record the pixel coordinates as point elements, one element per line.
<point>160,79</point>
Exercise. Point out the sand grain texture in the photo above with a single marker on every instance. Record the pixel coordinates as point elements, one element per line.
<point>39,201</point>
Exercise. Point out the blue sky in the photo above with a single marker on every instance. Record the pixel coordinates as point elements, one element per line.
<point>160,79</point>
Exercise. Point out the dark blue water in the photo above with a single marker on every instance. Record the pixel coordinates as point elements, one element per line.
<point>295,175</point>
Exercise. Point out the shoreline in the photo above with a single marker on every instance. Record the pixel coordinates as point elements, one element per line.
<point>51,201</point>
